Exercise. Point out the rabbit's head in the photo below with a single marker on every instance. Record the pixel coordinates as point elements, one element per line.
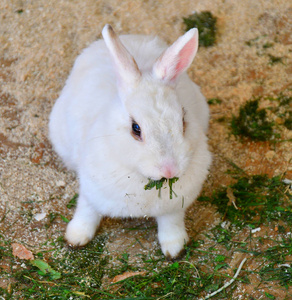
<point>158,132</point>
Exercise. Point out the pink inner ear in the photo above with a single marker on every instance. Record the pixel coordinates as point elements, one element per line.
<point>177,58</point>
<point>185,57</point>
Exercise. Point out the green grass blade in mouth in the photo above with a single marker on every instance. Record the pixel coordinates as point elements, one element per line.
<point>158,184</point>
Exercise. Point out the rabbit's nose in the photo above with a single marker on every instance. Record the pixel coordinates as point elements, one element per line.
<point>169,170</point>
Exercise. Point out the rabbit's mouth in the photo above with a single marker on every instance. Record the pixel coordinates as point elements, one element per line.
<point>158,184</point>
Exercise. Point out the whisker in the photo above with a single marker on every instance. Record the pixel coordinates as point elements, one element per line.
<point>101,136</point>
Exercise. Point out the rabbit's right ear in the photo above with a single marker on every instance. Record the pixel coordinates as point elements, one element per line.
<point>177,58</point>
<point>126,66</point>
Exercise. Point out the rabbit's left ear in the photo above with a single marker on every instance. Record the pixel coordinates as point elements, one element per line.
<point>126,66</point>
<point>177,58</point>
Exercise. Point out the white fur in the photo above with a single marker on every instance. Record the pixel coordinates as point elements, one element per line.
<point>90,128</point>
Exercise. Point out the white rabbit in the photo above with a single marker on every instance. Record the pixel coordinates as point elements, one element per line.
<point>127,113</point>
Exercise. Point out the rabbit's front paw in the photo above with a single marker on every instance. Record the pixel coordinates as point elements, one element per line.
<point>172,246</point>
<point>79,232</point>
<point>172,235</point>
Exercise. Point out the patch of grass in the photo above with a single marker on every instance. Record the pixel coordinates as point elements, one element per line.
<point>183,280</point>
<point>206,24</point>
<point>62,273</point>
<point>282,274</point>
<point>87,273</point>
<point>252,122</point>
<point>278,265</point>
<point>77,274</point>
<point>258,200</point>
<point>52,216</point>
<point>122,266</point>
<point>222,236</point>
<point>253,200</point>
<point>174,280</point>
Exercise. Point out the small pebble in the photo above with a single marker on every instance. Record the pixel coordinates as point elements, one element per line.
<point>61,183</point>
<point>40,216</point>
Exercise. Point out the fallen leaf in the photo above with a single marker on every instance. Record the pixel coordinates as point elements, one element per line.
<point>45,269</point>
<point>231,197</point>
<point>126,275</point>
<point>21,252</point>
<point>80,294</point>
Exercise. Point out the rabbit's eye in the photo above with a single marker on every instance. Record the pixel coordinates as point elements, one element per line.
<point>136,131</point>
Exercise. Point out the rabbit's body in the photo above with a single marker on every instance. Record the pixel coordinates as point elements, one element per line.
<point>90,128</point>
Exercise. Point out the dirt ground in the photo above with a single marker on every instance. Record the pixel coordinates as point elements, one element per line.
<point>39,41</point>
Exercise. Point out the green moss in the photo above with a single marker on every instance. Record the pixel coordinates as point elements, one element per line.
<point>252,122</point>
<point>206,24</point>
<point>253,200</point>
<point>275,59</point>
<point>213,101</point>
<point>268,45</point>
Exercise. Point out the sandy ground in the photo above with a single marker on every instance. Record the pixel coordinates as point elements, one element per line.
<point>39,41</point>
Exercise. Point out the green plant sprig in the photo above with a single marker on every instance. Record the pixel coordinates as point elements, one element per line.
<point>159,183</point>
<point>206,24</point>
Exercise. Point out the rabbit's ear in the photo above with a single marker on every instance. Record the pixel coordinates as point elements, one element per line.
<point>127,69</point>
<point>178,57</point>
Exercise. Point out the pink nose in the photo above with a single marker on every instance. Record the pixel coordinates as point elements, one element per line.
<point>168,171</point>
